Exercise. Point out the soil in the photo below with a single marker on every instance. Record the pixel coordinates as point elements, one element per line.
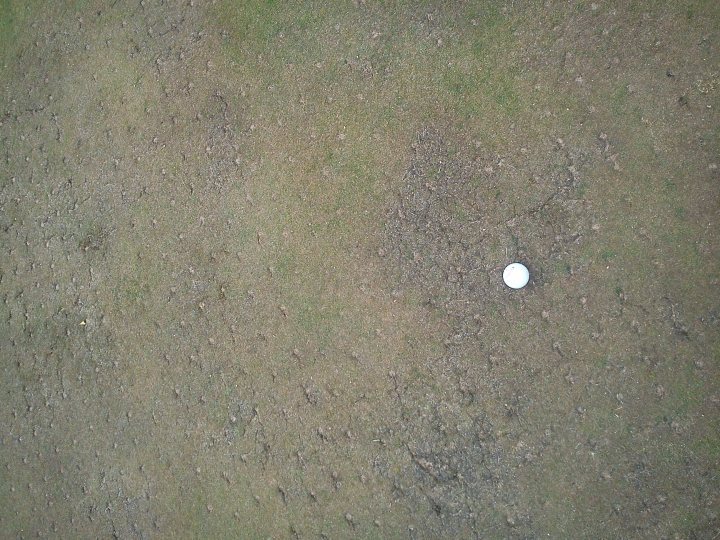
<point>251,258</point>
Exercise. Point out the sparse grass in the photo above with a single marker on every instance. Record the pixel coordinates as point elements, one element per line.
<point>258,281</point>
<point>9,27</point>
<point>687,395</point>
<point>708,448</point>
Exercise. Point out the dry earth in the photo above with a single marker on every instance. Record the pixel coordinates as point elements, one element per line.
<point>251,256</point>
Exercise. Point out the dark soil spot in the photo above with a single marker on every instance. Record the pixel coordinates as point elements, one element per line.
<point>463,215</point>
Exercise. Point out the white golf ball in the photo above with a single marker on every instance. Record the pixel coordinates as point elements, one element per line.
<point>516,275</point>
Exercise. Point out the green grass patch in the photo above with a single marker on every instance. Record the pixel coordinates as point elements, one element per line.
<point>460,83</point>
<point>686,394</point>
<point>8,28</point>
<point>708,448</point>
<point>607,255</point>
<point>282,32</point>
<point>602,363</point>
<point>669,186</point>
<point>581,189</point>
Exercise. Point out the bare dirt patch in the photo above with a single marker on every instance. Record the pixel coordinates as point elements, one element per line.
<point>462,215</point>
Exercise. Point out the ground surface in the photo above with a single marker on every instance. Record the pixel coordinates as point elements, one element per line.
<point>250,259</point>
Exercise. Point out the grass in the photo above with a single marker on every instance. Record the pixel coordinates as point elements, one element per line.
<point>9,27</point>
<point>707,448</point>
<point>688,393</point>
<point>607,255</point>
<point>477,80</point>
<point>337,93</point>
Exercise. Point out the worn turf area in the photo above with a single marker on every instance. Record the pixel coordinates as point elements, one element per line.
<point>251,257</point>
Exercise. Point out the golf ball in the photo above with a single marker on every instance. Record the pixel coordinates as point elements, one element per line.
<point>516,275</point>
